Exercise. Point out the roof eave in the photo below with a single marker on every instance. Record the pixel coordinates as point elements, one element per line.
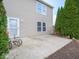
<point>45,3</point>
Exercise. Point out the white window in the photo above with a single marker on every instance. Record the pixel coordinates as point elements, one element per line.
<point>41,8</point>
<point>41,27</point>
<point>13,27</point>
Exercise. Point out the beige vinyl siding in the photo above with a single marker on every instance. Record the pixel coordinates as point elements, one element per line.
<point>25,10</point>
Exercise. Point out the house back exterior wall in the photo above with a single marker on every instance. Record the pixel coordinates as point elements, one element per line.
<point>25,10</point>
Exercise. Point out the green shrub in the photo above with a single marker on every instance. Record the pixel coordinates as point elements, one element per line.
<point>3,32</point>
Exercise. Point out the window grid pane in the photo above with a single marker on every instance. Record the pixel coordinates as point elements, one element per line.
<point>38,29</point>
<point>44,26</point>
<point>38,26</point>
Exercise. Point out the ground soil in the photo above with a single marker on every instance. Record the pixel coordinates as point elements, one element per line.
<point>70,51</point>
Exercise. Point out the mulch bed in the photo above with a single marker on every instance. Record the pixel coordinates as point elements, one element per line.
<point>70,51</point>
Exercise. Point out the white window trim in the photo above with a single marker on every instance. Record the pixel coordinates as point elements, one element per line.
<point>18,25</point>
<point>42,27</point>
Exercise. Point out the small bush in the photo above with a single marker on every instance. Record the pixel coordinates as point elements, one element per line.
<point>3,32</point>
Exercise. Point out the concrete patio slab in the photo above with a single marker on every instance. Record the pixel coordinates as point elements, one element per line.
<point>38,47</point>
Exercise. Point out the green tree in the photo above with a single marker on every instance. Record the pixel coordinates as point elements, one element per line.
<point>3,32</point>
<point>70,19</point>
<point>59,18</point>
<point>57,26</point>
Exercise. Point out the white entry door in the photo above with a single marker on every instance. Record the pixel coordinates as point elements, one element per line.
<point>13,27</point>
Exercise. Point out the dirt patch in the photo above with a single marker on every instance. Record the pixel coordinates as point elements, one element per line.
<point>70,51</point>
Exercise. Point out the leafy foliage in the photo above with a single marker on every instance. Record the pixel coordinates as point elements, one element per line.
<point>67,22</point>
<point>3,32</point>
